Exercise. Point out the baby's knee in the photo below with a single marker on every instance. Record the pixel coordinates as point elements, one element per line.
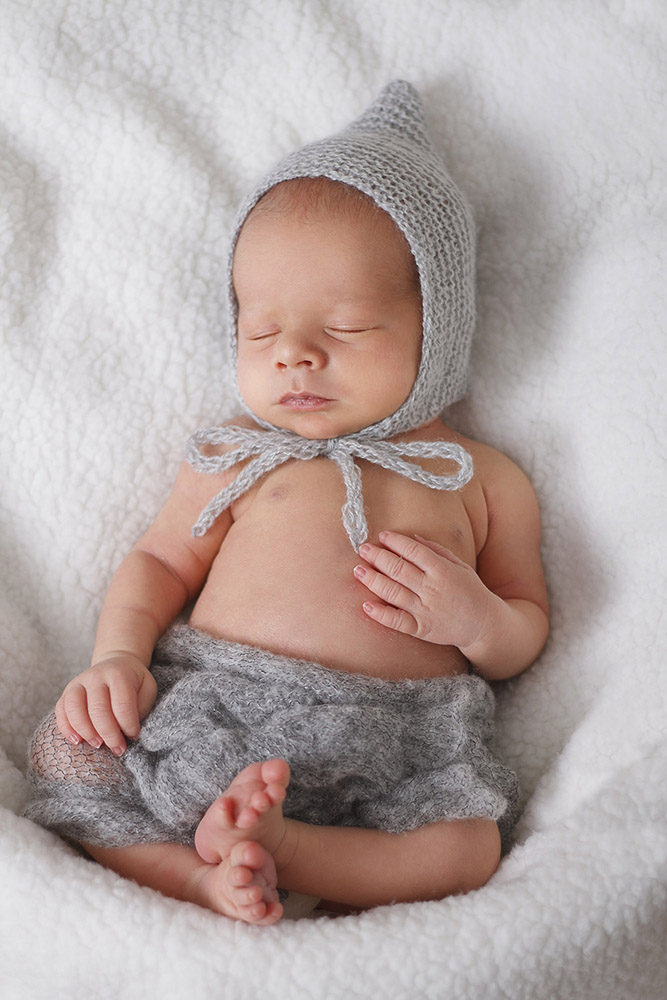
<point>469,854</point>
<point>481,848</point>
<point>52,758</point>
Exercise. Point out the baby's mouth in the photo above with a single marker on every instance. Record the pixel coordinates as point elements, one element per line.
<point>303,401</point>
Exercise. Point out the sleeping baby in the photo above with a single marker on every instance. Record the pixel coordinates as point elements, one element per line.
<point>356,573</point>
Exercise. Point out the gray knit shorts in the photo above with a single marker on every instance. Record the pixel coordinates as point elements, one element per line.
<point>363,751</point>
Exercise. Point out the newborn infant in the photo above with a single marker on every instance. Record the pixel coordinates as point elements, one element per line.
<point>321,724</point>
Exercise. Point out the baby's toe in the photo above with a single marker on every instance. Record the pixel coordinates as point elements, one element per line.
<point>260,801</point>
<point>276,771</point>
<point>239,876</point>
<point>248,854</point>
<point>220,815</point>
<point>264,914</point>
<point>247,817</point>
<point>249,896</point>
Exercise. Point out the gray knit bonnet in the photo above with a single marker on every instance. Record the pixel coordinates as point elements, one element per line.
<point>387,155</point>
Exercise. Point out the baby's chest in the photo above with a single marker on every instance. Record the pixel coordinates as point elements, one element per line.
<point>310,495</point>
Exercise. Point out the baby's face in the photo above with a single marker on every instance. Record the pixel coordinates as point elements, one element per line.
<point>329,325</point>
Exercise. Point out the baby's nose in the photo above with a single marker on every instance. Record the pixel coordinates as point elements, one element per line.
<point>299,349</point>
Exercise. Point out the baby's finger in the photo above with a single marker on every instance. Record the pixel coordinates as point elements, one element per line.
<point>390,591</point>
<point>130,705</point>
<point>63,723</point>
<point>393,565</point>
<point>440,550</point>
<point>393,618</point>
<point>102,716</point>
<point>411,550</point>
<point>125,711</point>
<point>74,704</point>
<point>146,696</point>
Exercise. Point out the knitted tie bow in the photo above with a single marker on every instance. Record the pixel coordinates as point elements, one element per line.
<point>273,448</point>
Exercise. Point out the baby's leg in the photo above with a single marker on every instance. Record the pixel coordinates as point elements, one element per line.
<point>242,886</point>
<point>230,871</point>
<point>348,865</point>
<point>362,868</point>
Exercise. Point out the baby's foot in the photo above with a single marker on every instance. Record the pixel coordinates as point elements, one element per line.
<point>250,810</point>
<point>243,886</point>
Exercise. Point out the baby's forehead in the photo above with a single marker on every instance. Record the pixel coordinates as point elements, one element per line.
<point>316,199</point>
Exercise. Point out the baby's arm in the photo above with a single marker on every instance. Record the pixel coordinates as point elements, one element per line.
<point>496,614</point>
<point>162,573</point>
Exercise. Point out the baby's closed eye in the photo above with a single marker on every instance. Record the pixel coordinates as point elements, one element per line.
<point>347,331</point>
<point>260,334</point>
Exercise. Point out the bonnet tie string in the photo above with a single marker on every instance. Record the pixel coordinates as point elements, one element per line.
<point>273,448</point>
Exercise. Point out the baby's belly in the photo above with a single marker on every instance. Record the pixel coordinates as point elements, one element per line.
<point>283,580</point>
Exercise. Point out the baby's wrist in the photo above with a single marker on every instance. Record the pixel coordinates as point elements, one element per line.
<point>99,660</point>
<point>478,648</point>
<point>512,637</point>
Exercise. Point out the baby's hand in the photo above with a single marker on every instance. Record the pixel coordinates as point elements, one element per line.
<point>106,703</point>
<point>424,590</point>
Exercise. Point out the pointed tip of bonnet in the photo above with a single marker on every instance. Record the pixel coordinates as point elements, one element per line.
<point>398,108</point>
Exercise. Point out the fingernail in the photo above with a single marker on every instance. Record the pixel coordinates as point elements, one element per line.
<point>383,535</point>
<point>117,751</point>
<point>367,606</point>
<point>364,549</point>
<point>74,740</point>
<point>359,572</point>
<point>95,743</point>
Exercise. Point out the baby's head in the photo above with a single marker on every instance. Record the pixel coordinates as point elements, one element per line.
<point>357,253</point>
<point>329,310</point>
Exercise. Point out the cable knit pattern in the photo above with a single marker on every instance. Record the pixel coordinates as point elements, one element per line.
<point>386,153</point>
<point>363,751</point>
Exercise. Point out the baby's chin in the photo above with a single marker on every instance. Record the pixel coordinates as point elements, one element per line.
<point>314,426</point>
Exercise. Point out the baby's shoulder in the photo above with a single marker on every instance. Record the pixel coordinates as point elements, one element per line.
<point>494,471</point>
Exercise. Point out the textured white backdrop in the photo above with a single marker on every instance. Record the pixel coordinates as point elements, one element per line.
<point>129,131</point>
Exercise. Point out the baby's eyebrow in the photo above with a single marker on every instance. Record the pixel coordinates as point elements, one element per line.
<point>254,312</point>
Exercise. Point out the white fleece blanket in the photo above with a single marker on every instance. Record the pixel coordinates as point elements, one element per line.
<point>130,130</point>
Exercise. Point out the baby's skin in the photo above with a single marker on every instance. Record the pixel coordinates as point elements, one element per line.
<point>239,837</point>
<point>445,579</point>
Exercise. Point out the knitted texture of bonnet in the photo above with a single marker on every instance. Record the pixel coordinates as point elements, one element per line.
<point>387,154</point>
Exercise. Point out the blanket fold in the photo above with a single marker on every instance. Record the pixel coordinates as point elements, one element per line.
<point>129,133</point>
